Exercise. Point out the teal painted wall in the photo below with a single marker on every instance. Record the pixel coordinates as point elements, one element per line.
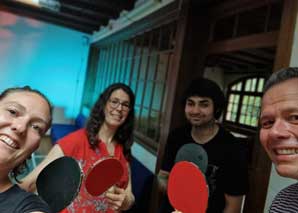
<point>44,56</point>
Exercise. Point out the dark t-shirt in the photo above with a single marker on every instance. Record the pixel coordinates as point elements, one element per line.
<point>227,164</point>
<point>16,200</point>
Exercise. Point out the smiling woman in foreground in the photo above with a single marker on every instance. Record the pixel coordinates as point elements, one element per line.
<point>25,116</point>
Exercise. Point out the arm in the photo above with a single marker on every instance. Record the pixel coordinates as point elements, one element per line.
<point>162,179</point>
<point>129,197</point>
<point>29,182</point>
<point>121,199</point>
<point>233,203</point>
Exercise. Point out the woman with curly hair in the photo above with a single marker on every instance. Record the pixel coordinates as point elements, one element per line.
<point>108,133</point>
<point>25,116</point>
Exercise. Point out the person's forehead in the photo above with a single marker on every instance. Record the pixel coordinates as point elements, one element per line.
<point>199,98</point>
<point>119,93</point>
<point>32,102</point>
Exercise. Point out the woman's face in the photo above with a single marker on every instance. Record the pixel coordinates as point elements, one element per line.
<point>117,108</point>
<point>24,118</point>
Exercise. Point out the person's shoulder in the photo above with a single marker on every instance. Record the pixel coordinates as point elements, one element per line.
<point>28,201</point>
<point>286,200</point>
<point>77,135</point>
<point>17,190</point>
<point>79,132</point>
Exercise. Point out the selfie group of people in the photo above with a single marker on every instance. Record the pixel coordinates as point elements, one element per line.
<point>26,115</point>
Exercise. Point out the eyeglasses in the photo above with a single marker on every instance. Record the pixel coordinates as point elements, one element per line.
<point>114,103</point>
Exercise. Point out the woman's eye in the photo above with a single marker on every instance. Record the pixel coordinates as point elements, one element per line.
<point>37,128</point>
<point>12,112</point>
<point>114,101</point>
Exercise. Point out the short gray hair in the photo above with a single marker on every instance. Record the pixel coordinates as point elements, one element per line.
<point>280,76</point>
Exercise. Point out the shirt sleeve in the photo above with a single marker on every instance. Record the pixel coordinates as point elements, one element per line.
<point>71,143</point>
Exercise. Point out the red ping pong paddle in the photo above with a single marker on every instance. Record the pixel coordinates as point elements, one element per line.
<point>102,175</point>
<point>187,188</point>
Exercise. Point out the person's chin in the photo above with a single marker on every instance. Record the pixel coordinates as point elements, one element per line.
<point>287,171</point>
<point>196,123</point>
<point>115,123</point>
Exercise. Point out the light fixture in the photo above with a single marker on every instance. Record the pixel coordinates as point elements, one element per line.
<point>53,5</point>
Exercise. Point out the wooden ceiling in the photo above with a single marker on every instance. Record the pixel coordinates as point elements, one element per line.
<point>244,38</point>
<point>248,60</point>
<point>82,15</point>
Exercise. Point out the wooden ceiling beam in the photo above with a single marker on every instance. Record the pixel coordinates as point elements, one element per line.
<point>228,8</point>
<point>261,40</point>
<point>249,58</point>
<point>114,5</point>
<point>235,61</point>
<point>60,15</point>
<point>259,53</point>
<point>86,12</point>
<point>47,16</point>
<point>91,6</point>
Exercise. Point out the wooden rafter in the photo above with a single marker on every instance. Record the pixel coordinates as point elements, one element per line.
<point>260,40</point>
<point>236,6</point>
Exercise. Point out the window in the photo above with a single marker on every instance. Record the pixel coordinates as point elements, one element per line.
<point>244,101</point>
<point>142,62</point>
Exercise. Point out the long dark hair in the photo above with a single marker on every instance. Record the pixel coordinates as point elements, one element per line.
<point>124,134</point>
<point>20,168</point>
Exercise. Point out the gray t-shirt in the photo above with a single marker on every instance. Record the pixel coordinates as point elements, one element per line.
<point>16,200</point>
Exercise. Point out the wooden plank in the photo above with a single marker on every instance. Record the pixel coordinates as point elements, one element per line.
<point>260,40</point>
<point>81,24</point>
<point>286,34</point>
<point>229,8</point>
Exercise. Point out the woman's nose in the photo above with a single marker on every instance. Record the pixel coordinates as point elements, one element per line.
<point>19,126</point>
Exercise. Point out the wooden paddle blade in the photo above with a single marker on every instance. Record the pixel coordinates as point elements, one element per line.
<point>104,174</point>
<point>59,183</point>
<point>187,188</point>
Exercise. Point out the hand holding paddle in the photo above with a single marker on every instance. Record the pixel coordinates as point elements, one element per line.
<point>115,197</point>
<point>59,182</point>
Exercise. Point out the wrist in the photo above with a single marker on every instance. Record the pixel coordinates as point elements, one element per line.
<point>128,201</point>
